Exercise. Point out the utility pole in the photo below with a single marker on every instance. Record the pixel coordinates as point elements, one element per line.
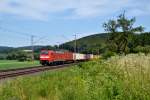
<point>32,46</point>
<point>75,43</point>
<point>62,46</point>
<point>58,44</point>
<point>75,46</point>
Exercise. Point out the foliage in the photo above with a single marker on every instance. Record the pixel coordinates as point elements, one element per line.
<point>141,49</point>
<point>120,31</point>
<point>22,56</point>
<point>11,56</point>
<point>108,54</point>
<point>36,56</point>
<point>141,39</point>
<point>2,56</point>
<point>19,55</point>
<point>118,78</point>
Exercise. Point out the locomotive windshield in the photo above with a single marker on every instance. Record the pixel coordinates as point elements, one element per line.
<point>44,53</point>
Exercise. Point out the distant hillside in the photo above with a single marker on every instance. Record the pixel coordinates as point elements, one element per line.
<point>89,44</point>
<point>4,48</point>
<point>96,44</point>
<point>90,40</point>
<point>29,47</point>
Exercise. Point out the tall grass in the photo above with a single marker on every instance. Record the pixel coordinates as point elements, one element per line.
<point>118,78</point>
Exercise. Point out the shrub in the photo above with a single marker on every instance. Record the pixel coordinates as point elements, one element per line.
<point>141,49</point>
<point>108,54</point>
<point>11,56</point>
<point>2,58</point>
<point>21,56</point>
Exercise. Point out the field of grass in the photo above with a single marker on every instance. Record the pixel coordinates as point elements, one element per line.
<point>10,64</point>
<point>118,78</point>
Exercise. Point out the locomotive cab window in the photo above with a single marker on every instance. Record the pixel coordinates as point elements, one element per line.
<point>44,52</point>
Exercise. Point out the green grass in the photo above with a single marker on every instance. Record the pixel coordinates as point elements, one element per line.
<point>118,78</point>
<point>11,64</point>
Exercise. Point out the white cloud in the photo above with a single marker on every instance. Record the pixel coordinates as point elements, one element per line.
<point>136,12</point>
<point>42,9</point>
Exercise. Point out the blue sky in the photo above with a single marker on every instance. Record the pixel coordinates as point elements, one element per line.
<point>56,21</point>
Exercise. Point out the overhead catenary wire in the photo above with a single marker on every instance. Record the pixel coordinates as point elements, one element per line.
<point>25,34</point>
<point>65,37</point>
<point>35,41</point>
<point>11,38</point>
<point>17,32</point>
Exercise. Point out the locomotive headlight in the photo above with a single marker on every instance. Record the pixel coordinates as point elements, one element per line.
<point>44,57</point>
<point>47,57</point>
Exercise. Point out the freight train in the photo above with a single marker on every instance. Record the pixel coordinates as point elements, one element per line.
<point>50,57</point>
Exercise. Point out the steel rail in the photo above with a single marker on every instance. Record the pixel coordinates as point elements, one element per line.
<point>31,70</point>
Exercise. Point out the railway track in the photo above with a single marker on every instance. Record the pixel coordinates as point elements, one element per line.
<point>25,71</point>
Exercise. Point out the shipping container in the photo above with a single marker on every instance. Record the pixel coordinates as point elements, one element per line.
<point>78,56</point>
<point>89,56</point>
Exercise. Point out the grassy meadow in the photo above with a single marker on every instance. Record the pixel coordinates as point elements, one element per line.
<point>118,78</point>
<point>11,64</point>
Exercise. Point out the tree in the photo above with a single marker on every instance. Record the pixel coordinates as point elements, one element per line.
<point>120,31</point>
<point>21,56</point>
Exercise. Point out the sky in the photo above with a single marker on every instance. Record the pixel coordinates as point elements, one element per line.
<point>56,21</point>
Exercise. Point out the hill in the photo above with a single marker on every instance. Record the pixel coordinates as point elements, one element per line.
<point>29,47</point>
<point>37,48</point>
<point>5,48</point>
<point>96,43</point>
<point>90,44</point>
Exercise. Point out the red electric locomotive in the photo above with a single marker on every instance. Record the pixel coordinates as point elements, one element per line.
<point>49,57</point>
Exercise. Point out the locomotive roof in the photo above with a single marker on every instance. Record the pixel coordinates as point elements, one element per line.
<point>57,51</point>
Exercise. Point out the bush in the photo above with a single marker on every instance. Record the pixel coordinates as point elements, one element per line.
<point>11,56</point>
<point>36,56</point>
<point>22,56</point>
<point>2,58</point>
<point>108,54</point>
<point>21,59</point>
<point>141,49</point>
